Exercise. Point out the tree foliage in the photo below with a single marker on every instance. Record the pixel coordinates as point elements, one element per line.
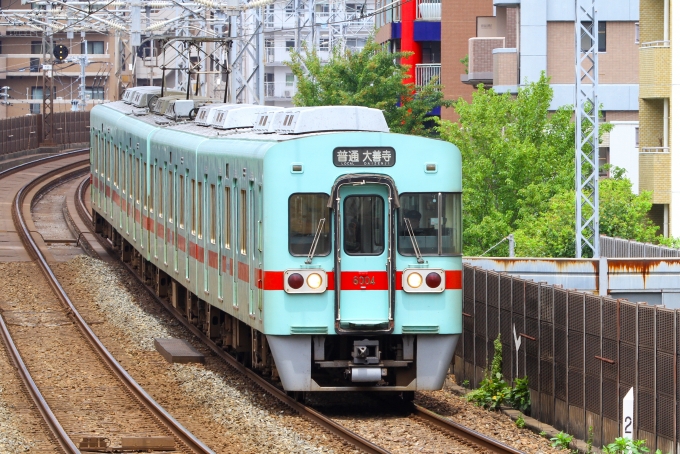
<point>371,77</point>
<point>519,173</point>
<point>516,157</point>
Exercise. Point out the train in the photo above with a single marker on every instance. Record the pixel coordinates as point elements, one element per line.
<point>316,246</point>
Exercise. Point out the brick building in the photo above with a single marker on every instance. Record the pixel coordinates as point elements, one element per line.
<point>437,33</point>
<point>659,86</point>
<point>21,73</point>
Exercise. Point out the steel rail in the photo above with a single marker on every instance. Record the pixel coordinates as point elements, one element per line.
<point>181,433</point>
<point>460,431</point>
<point>303,410</point>
<point>58,432</point>
<point>450,427</point>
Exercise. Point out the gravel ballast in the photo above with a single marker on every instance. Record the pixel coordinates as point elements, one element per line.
<point>221,407</point>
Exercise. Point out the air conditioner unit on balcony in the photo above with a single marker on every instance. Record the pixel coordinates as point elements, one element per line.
<point>286,93</point>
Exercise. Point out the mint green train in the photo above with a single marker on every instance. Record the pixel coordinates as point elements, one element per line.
<point>313,244</point>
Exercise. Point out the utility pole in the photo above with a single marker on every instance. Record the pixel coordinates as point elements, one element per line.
<point>83,60</point>
<point>48,83</point>
<point>587,129</point>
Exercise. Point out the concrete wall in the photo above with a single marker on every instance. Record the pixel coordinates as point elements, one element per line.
<point>622,150</point>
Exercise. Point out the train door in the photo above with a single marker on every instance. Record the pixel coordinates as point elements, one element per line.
<point>363,239</point>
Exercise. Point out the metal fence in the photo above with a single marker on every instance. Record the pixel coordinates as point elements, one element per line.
<point>620,248</point>
<point>581,353</point>
<point>24,133</point>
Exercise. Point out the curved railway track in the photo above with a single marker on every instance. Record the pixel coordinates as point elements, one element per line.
<point>462,434</point>
<point>186,441</point>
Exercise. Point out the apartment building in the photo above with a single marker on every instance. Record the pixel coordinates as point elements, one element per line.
<point>321,24</point>
<point>522,38</point>
<point>437,33</point>
<point>21,70</point>
<point>659,111</point>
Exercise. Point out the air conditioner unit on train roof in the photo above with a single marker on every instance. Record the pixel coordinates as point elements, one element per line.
<point>298,120</point>
<point>245,117</point>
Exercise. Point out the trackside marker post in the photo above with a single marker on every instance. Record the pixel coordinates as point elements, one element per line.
<point>518,344</point>
<point>628,414</point>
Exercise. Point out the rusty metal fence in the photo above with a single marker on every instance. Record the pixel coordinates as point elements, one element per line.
<point>581,353</point>
<point>621,248</point>
<point>24,133</point>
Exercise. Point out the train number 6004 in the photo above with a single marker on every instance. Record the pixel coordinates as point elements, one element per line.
<point>364,280</point>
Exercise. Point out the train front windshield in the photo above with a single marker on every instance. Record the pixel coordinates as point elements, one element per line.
<point>435,220</point>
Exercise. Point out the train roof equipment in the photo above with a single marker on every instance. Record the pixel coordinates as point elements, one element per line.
<point>204,116</point>
<point>302,120</point>
<point>244,116</point>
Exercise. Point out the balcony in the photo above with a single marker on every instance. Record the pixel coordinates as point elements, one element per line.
<point>429,10</point>
<point>279,90</point>
<point>655,69</point>
<point>655,173</point>
<point>388,12</point>
<point>428,72</point>
<point>481,60</point>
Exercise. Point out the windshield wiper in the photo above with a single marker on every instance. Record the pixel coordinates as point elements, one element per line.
<point>315,241</point>
<point>416,249</point>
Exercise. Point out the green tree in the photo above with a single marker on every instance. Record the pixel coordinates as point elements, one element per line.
<point>371,77</point>
<point>622,214</point>
<point>516,157</point>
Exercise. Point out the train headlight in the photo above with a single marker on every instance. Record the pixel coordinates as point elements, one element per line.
<point>305,281</point>
<point>414,280</point>
<point>434,280</point>
<point>295,281</point>
<point>314,281</point>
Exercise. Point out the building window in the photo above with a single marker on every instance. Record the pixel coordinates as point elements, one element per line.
<point>586,42</point>
<point>637,32</point>
<point>604,161</point>
<point>290,7</point>
<point>290,44</point>
<point>637,137</point>
<point>94,92</point>
<point>36,47</point>
<point>324,44</point>
<point>93,47</point>
<point>290,79</point>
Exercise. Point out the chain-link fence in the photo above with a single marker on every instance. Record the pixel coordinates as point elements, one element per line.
<point>581,353</point>
<point>25,133</point>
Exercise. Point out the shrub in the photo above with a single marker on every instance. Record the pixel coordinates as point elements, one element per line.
<point>562,440</point>
<point>520,398</point>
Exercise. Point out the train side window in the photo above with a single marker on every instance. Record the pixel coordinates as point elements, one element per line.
<point>129,173</point>
<point>95,151</point>
<point>138,178</point>
<point>243,222</point>
<point>171,196</point>
<point>193,207</point>
<point>160,191</point>
<point>213,213</point>
<point>435,219</point>
<point>102,156</point>
<point>181,201</point>
<point>115,165</point>
<point>199,210</point>
<point>152,187</point>
<point>227,216</point>
<point>109,159</point>
<point>305,211</point>
<point>145,196</point>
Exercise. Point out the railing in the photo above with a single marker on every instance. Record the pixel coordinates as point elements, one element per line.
<point>279,90</point>
<point>656,44</point>
<point>389,11</point>
<point>425,73</point>
<point>655,150</point>
<point>429,10</point>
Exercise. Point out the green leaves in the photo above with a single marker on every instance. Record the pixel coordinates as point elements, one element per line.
<point>515,159</point>
<point>371,77</point>
<point>519,177</point>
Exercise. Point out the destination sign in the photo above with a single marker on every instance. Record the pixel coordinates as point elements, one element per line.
<point>364,157</point>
